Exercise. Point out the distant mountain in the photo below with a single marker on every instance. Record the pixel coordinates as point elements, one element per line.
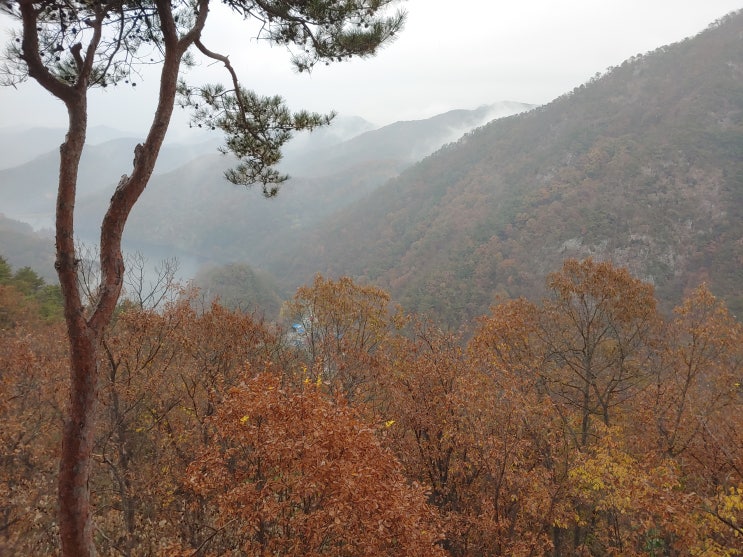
<point>342,128</point>
<point>193,212</point>
<point>28,191</point>
<point>21,145</point>
<point>28,188</point>
<point>21,246</point>
<point>643,166</point>
<point>407,141</point>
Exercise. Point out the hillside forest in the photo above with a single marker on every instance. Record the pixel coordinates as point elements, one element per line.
<point>522,343</point>
<point>642,165</point>
<point>586,423</point>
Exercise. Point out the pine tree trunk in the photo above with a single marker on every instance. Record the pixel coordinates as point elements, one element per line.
<point>85,331</point>
<point>77,446</point>
<point>75,523</point>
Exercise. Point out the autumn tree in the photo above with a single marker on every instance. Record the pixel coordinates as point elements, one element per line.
<point>587,352</point>
<point>697,403</point>
<point>341,325</point>
<point>69,47</point>
<point>32,395</point>
<point>291,472</point>
<point>701,381</point>
<point>588,345</point>
<point>454,429</point>
<point>531,467</point>
<point>624,501</point>
<point>595,331</point>
<point>164,373</point>
<point>14,306</point>
<point>598,329</point>
<point>139,366</point>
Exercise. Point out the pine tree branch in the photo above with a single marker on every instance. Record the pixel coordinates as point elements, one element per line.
<point>226,61</point>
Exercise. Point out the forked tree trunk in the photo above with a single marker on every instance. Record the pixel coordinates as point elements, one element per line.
<point>79,429</point>
<point>85,331</point>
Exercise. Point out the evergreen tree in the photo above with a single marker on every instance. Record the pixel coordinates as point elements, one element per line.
<point>27,281</point>
<point>71,46</point>
<point>5,270</point>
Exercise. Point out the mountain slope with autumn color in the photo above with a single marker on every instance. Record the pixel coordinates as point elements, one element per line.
<point>642,166</point>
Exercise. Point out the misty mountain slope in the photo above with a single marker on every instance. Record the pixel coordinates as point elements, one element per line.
<point>194,212</point>
<point>21,246</point>
<point>342,128</point>
<point>643,166</point>
<point>29,162</point>
<point>19,146</point>
<point>28,191</point>
<point>407,141</point>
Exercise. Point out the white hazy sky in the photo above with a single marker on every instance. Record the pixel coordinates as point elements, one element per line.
<point>451,54</point>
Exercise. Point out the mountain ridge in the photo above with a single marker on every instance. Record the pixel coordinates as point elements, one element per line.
<point>495,212</point>
<point>642,165</point>
<point>206,217</point>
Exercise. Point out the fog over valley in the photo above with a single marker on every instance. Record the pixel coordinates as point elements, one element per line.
<point>490,305</point>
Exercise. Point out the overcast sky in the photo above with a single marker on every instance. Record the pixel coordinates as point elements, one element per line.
<point>451,54</point>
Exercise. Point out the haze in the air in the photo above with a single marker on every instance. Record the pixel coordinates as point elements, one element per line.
<point>451,55</point>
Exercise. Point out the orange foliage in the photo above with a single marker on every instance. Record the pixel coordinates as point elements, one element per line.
<point>32,368</point>
<point>344,324</point>
<point>584,424</point>
<point>290,472</point>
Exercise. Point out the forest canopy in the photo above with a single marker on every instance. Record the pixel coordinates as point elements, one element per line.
<point>583,423</point>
